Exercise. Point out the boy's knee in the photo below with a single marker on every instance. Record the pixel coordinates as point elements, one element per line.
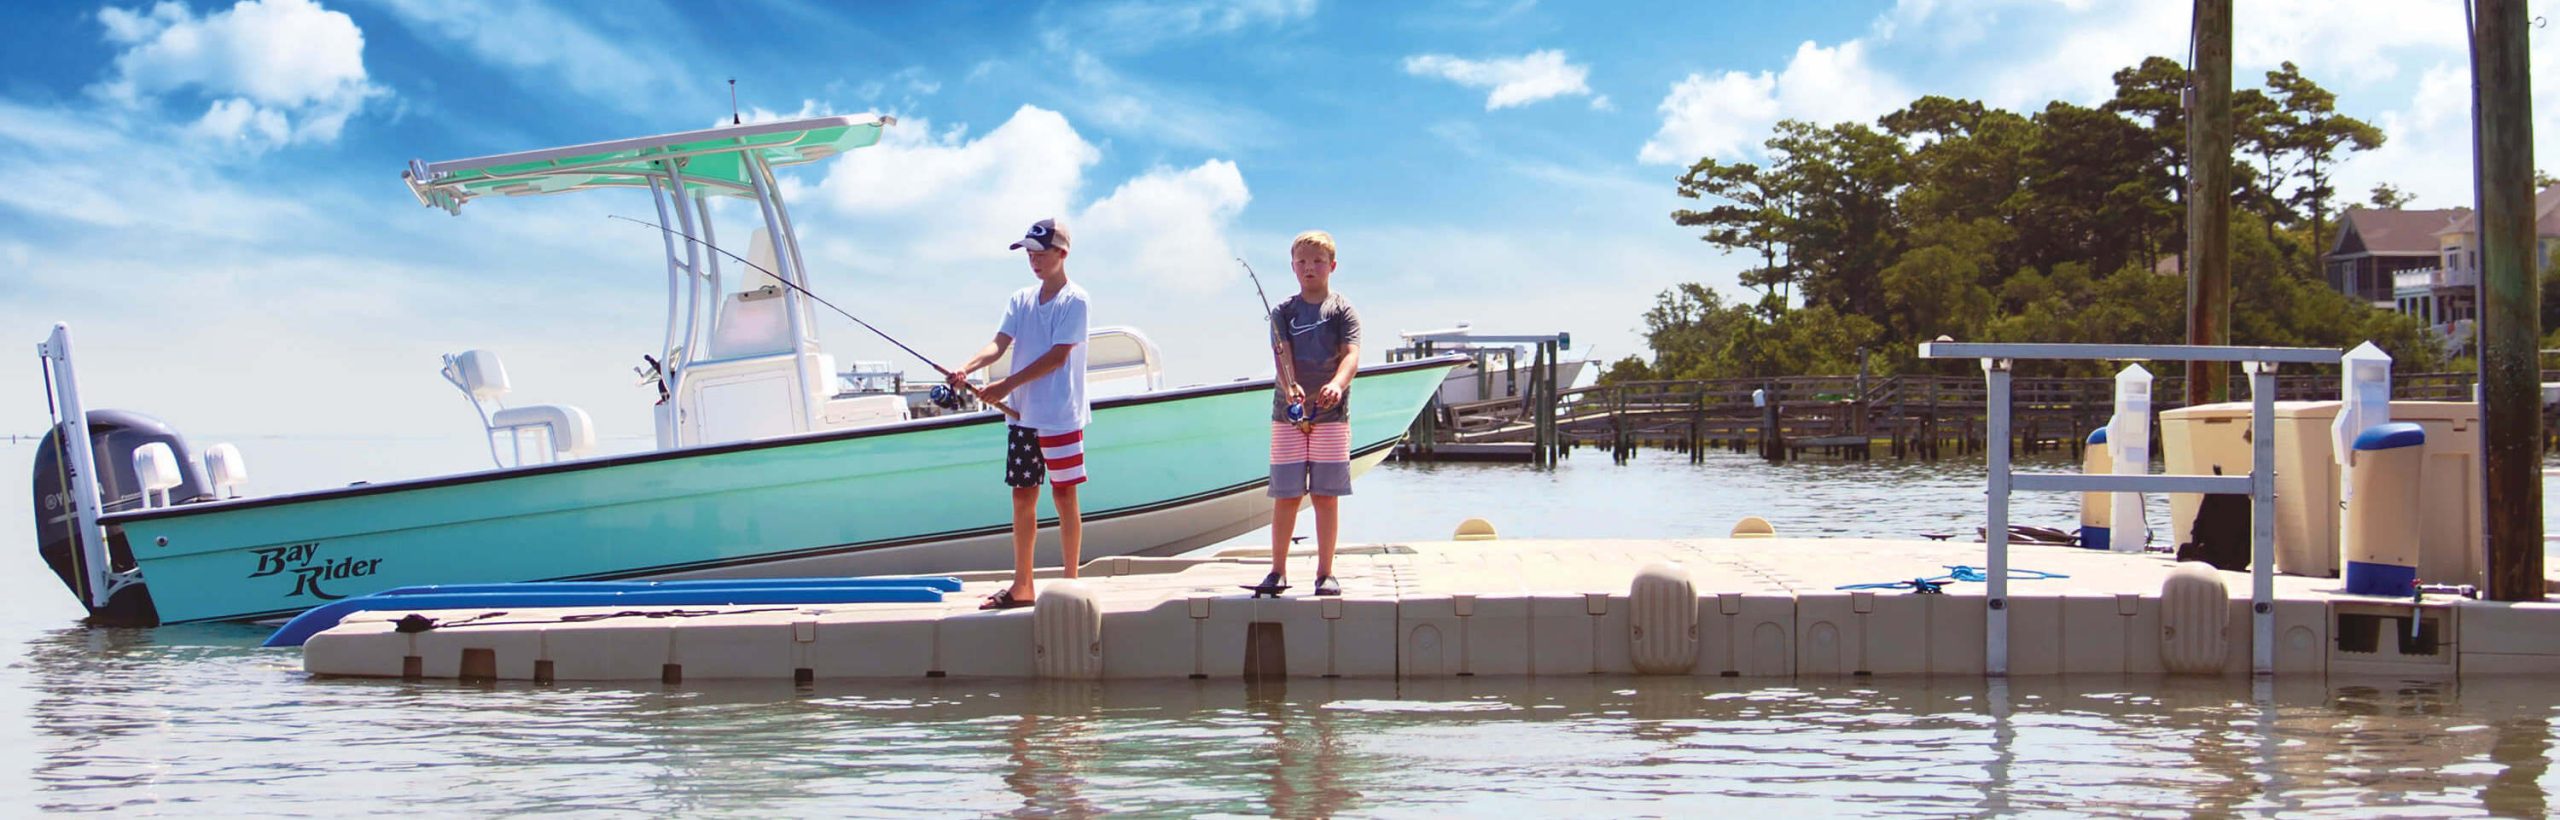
<point>1025,496</point>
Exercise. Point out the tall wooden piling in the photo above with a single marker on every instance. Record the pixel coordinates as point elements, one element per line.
<point>2209,199</point>
<point>2510,327</point>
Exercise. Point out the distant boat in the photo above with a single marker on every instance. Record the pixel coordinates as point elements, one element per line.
<point>1491,371</point>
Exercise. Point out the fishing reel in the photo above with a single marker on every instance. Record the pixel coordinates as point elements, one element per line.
<point>1296,412</point>
<point>944,397</point>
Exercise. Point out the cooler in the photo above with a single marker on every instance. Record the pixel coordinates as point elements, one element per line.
<point>2195,440</point>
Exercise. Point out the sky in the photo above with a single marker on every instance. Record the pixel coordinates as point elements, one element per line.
<point>208,192</point>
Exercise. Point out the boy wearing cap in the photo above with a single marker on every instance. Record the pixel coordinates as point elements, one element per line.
<point>1047,387</point>
<point>1318,340</point>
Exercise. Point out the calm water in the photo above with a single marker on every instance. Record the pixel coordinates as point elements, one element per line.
<point>198,720</point>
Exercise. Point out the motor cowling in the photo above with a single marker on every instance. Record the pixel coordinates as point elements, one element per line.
<point>114,435</point>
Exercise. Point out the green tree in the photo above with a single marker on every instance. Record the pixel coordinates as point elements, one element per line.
<point>1841,182</point>
<point>2316,134</point>
<point>2093,193</point>
<point>1749,215</point>
<point>2153,95</point>
<point>2389,196</point>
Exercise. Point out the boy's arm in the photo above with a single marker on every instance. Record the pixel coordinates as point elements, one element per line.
<point>985,356</point>
<point>1331,393</point>
<point>1047,363</point>
<point>1348,324</point>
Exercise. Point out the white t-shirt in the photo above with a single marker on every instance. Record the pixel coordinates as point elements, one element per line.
<point>1053,403</point>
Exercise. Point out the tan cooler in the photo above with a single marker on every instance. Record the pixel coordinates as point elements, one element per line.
<point>2194,440</point>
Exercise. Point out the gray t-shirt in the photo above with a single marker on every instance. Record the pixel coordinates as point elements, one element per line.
<point>1317,335</point>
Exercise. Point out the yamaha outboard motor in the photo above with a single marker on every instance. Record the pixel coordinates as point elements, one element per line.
<point>113,437</point>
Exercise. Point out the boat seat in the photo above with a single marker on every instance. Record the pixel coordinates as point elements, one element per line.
<point>560,431</point>
<point>565,431</point>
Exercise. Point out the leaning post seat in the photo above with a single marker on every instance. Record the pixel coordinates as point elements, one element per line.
<point>563,431</point>
<point>566,430</point>
<point>755,321</point>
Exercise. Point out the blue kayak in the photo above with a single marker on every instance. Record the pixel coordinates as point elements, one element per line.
<point>544,594</point>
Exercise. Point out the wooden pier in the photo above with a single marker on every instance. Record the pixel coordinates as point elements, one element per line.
<point>1906,416</point>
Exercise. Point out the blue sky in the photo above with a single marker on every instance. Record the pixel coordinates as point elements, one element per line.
<point>208,191</point>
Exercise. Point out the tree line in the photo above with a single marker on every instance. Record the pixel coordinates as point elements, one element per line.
<point>1952,218</point>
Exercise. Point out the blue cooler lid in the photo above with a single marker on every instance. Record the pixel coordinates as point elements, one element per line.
<point>2098,436</point>
<point>2391,436</point>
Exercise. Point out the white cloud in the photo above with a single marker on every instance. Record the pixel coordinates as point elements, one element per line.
<point>1513,81</point>
<point>1602,103</point>
<point>927,201</point>
<point>1727,115</point>
<point>548,47</point>
<point>1721,116</point>
<point>912,81</point>
<point>946,197</point>
<point>1168,226</point>
<point>273,71</point>
<point>324,310</point>
<point>1117,102</point>
<point>85,168</point>
<point>1140,24</point>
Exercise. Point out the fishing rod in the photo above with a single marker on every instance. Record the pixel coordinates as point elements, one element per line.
<point>1287,370</point>
<point>928,361</point>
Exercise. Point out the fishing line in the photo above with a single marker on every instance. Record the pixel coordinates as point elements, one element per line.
<point>928,361</point>
<point>1286,367</point>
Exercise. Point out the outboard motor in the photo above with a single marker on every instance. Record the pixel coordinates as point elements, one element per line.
<point>114,435</point>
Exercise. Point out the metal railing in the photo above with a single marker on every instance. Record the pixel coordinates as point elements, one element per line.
<point>2259,484</point>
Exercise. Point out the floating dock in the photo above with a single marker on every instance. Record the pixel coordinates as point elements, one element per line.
<point>1745,607</point>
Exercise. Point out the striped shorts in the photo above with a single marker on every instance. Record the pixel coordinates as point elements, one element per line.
<point>1031,454</point>
<point>1317,461</point>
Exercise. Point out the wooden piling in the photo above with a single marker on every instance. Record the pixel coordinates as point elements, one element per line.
<point>2510,327</point>
<point>2208,261</point>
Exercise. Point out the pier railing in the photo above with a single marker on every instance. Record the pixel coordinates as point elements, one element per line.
<point>2259,362</point>
<point>1907,414</point>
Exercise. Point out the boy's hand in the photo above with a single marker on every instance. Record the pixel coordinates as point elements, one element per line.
<point>1329,395</point>
<point>957,380</point>
<point>996,391</point>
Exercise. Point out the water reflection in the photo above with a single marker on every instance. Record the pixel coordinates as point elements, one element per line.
<point>133,718</point>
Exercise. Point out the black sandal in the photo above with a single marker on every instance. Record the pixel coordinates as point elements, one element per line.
<point>1003,599</point>
<point>1328,587</point>
<point>1271,587</point>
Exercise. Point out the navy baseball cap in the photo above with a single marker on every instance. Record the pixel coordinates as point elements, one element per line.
<point>1044,235</point>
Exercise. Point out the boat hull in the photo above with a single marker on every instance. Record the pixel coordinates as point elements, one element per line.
<point>1171,471</point>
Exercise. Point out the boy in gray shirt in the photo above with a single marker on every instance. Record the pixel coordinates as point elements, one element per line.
<point>1318,352</point>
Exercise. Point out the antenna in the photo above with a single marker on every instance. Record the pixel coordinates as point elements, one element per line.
<point>733,101</point>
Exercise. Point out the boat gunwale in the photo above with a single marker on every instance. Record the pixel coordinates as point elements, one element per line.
<point>795,439</point>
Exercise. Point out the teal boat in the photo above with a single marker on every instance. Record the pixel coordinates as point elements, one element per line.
<point>765,465</point>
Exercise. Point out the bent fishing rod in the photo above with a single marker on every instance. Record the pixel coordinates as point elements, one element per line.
<point>1286,369</point>
<point>928,361</point>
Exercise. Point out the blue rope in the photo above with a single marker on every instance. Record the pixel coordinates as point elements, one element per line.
<point>1955,573</point>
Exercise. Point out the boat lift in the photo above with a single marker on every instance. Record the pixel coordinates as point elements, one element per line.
<point>1542,395</point>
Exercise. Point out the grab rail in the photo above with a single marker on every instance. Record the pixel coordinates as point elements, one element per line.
<point>2260,362</point>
